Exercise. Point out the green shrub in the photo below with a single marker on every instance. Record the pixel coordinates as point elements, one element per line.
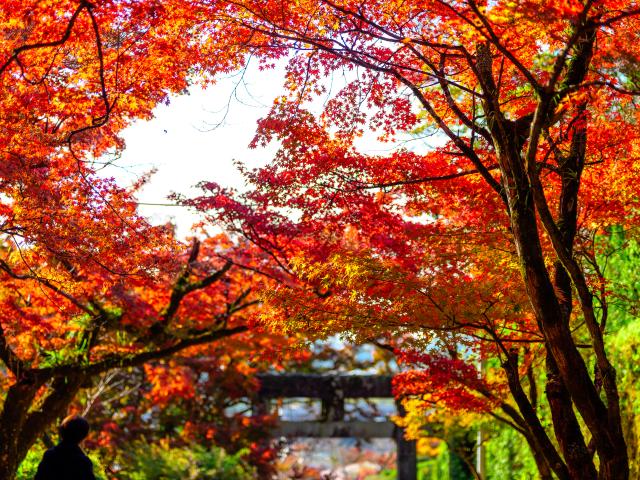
<point>161,462</point>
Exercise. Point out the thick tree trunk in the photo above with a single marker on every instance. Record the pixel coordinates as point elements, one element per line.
<point>19,399</point>
<point>566,426</point>
<point>20,428</point>
<point>570,364</point>
<point>537,436</point>
<point>565,423</point>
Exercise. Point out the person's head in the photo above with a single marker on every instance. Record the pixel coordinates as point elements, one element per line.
<point>73,429</point>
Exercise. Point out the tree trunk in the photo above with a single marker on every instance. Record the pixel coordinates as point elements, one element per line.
<point>537,436</point>
<point>19,399</point>
<point>566,426</point>
<point>570,364</point>
<point>20,428</point>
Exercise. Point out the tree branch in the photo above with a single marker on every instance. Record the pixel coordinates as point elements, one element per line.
<point>123,361</point>
<point>67,34</point>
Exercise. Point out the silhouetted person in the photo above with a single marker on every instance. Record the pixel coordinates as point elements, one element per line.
<point>67,461</point>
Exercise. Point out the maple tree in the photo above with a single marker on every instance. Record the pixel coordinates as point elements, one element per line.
<point>481,247</point>
<point>87,284</point>
<point>60,333</point>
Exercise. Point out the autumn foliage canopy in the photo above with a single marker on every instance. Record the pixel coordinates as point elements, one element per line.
<point>476,256</point>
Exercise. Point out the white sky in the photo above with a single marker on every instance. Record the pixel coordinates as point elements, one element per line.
<point>186,145</point>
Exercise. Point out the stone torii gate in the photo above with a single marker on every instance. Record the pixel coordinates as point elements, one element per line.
<point>332,391</point>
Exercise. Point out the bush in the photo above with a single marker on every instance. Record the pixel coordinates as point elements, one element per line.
<point>162,462</point>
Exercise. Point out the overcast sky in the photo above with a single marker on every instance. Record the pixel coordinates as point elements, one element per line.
<point>196,137</point>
